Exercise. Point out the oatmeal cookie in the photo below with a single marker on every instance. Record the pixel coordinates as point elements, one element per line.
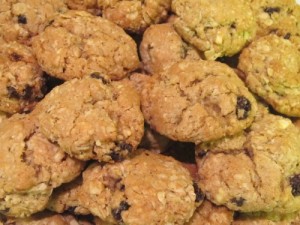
<point>77,44</point>
<point>21,80</point>
<point>135,15</point>
<point>93,118</point>
<point>147,189</point>
<point>196,101</point>
<point>31,166</point>
<point>217,28</point>
<point>162,47</point>
<point>262,174</point>
<point>271,65</point>
<point>22,19</point>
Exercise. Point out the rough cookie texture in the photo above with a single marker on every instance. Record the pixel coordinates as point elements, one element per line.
<point>30,166</point>
<point>22,19</point>
<point>148,189</point>
<point>3,117</point>
<point>135,15</point>
<point>210,214</point>
<point>21,79</point>
<point>272,67</point>
<point>217,28</point>
<point>262,174</point>
<point>90,6</point>
<point>162,47</point>
<point>77,44</point>
<point>196,101</point>
<point>102,121</point>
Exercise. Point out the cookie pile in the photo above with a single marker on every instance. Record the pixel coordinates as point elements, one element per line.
<point>155,112</point>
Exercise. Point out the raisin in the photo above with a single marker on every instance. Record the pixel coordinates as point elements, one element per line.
<point>12,92</point>
<point>117,212</point>
<point>295,183</point>
<point>198,192</point>
<point>97,75</point>
<point>271,10</point>
<point>22,19</point>
<point>233,25</point>
<point>15,57</point>
<point>201,153</point>
<point>238,201</point>
<point>243,107</point>
<point>125,146</point>
<point>287,36</point>
<point>115,156</point>
<point>122,187</point>
<point>27,92</point>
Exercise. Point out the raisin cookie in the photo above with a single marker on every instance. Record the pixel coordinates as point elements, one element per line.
<point>217,28</point>
<point>271,65</point>
<point>93,118</point>
<point>162,47</point>
<point>31,166</point>
<point>196,101</point>
<point>77,44</point>
<point>135,15</point>
<point>238,176</point>
<point>147,189</point>
<point>21,80</point>
<point>22,19</point>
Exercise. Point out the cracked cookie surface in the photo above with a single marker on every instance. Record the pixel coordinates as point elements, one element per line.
<point>102,121</point>
<point>30,167</point>
<point>271,65</point>
<point>146,189</point>
<point>77,44</point>
<point>211,101</point>
<point>21,79</point>
<point>217,28</point>
<point>162,47</point>
<point>239,176</point>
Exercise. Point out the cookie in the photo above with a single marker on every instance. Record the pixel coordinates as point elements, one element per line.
<point>211,101</point>
<point>102,121</point>
<point>217,28</point>
<point>147,189</point>
<point>262,174</point>
<point>90,6</point>
<point>271,66</point>
<point>31,166</point>
<point>162,47</point>
<point>135,16</point>
<point>77,44</point>
<point>210,214</point>
<point>3,117</point>
<point>22,19</point>
<point>21,80</point>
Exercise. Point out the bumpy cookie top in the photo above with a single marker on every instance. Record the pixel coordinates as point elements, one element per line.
<point>22,19</point>
<point>240,178</point>
<point>21,79</point>
<point>135,15</point>
<point>272,67</point>
<point>77,44</point>
<point>148,189</point>
<point>90,6</point>
<point>93,118</point>
<point>30,167</point>
<point>162,47</point>
<point>218,28</point>
<point>196,101</point>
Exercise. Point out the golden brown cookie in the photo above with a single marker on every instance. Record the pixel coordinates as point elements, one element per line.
<point>217,28</point>
<point>196,101</point>
<point>77,44</point>
<point>93,118</point>
<point>162,47</point>
<point>31,166</point>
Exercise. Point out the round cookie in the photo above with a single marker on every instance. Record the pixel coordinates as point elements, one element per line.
<point>30,166</point>
<point>271,65</point>
<point>22,19</point>
<point>77,44</point>
<point>261,174</point>
<point>136,15</point>
<point>162,47</point>
<point>210,214</point>
<point>147,189</point>
<point>21,80</point>
<point>102,121</point>
<point>196,101</point>
<point>217,28</point>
